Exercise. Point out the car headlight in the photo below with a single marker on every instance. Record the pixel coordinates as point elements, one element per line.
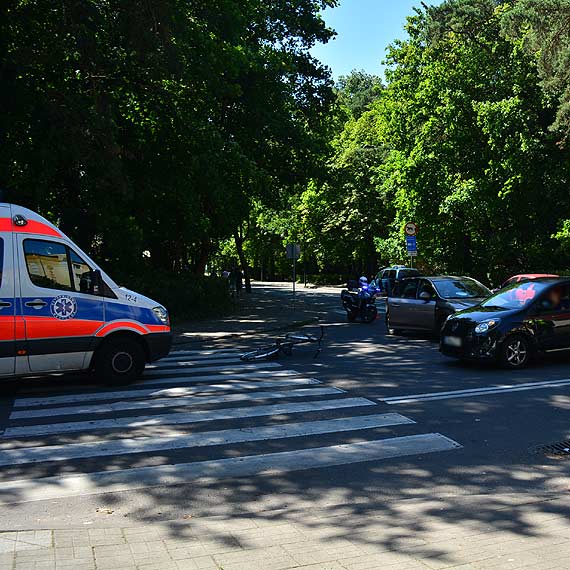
<point>162,314</point>
<point>487,325</point>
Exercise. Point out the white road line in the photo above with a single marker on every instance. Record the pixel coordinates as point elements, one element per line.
<point>192,401</point>
<point>180,440</point>
<point>48,488</point>
<point>184,417</point>
<point>156,393</point>
<point>475,392</point>
<point>150,371</point>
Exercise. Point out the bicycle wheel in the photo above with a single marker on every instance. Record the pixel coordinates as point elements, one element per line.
<point>264,353</point>
<point>301,337</point>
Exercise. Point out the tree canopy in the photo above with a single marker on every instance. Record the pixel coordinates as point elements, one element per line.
<point>183,134</point>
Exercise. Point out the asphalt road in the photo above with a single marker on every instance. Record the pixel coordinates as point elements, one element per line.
<point>374,420</point>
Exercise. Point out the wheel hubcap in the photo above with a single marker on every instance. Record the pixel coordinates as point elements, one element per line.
<point>516,353</point>
<point>122,362</point>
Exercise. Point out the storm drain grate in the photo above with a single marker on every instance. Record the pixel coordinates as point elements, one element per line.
<point>559,449</point>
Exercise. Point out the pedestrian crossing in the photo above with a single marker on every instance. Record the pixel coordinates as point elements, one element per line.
<point>198,414</point>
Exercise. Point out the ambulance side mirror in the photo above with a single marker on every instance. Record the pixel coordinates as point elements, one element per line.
<point>91,282</point>
<point>97,282</point>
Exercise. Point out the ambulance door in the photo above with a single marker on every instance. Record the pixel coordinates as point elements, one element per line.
<point>61,308</point>
<point>7,306</point>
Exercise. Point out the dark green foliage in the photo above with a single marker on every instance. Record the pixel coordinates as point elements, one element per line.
<point>187,296</point>
<point>358,91</point>
<point>151,127</point>
<point>544,26</point>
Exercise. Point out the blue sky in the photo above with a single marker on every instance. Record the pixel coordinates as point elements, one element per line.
<point>364,28</point>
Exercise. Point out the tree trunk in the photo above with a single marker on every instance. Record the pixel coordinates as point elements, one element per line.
<point>242,261</point>
<point>202,258</point>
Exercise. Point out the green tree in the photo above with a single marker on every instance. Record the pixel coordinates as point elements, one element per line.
<point>544,26</point>
<point>471,160</point>
<point>155,127</point>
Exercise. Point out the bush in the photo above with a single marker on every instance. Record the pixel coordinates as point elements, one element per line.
<point>186,296</point>
<point>325,279</point>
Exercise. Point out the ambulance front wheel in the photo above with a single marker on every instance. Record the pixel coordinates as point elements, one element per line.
<point>120,360</point>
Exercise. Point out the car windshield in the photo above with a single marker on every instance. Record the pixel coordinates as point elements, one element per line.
<point>516,296</point>
<point>460,289</point>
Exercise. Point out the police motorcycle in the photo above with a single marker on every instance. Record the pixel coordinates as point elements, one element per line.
<point>360,303</point>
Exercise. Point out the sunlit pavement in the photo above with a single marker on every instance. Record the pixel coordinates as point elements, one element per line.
<point>380,453</point>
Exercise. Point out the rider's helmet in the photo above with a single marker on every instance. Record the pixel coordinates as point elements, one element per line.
<point>363,281</point>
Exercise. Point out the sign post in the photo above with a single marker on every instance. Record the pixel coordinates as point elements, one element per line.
<point>293,251</point>
<point>411,229</point>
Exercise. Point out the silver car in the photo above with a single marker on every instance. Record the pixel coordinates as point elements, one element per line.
<point>424,303</point>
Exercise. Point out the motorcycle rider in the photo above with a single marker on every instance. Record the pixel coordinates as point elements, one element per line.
<point>364,292</point>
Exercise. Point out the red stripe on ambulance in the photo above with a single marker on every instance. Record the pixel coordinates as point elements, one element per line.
<point>122,325</point>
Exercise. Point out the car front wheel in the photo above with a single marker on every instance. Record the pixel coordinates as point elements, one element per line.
<point>515,352</point>
<point>119,361</point>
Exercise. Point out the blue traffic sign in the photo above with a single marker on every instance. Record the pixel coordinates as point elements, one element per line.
<point>411,244</point>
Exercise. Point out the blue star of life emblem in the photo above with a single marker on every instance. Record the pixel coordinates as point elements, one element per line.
<point>63,307</point>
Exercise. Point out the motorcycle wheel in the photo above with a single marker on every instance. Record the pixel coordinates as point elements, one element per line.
<point>370,315</point>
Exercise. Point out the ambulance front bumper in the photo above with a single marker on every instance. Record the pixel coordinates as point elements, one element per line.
<point>158,345</point>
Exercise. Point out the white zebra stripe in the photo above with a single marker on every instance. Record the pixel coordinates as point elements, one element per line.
<point>184,417</point>
<point>199,353</point>
<point>229,368</point>
<point>166,363</point>
<point>157,392</point>
<point>181,440</point>
<point>48,488</point>
<point>107,408</point>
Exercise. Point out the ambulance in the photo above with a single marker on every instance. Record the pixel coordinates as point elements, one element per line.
<point>60,312</point>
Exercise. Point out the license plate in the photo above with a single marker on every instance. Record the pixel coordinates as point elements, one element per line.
<point>452,341</point>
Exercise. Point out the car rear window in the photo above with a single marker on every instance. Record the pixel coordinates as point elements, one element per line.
<point>404,273</point>
<point>461,289</point>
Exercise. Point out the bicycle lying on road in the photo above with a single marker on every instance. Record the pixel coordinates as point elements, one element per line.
<point>285,346</point>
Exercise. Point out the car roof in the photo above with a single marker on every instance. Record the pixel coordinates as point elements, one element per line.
<point>532,275</point>
<point>442,277</point>
<point>556,279</point>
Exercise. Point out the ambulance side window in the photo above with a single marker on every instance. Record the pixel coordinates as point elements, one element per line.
<point>48,264</point>
<point>81,273</point>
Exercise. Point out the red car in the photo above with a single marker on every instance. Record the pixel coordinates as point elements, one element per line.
<point>525,277</point>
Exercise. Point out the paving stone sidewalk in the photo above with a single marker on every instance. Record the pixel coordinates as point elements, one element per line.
<point>465,533</point>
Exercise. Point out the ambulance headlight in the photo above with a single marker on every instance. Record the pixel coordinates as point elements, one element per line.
<point>162,314</point>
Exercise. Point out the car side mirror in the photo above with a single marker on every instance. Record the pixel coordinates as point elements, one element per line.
<point>425,296</point>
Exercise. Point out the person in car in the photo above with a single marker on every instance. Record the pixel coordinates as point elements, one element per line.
<point>558,299</point>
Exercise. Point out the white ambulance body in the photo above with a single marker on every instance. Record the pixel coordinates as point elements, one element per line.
<point>60,312</point>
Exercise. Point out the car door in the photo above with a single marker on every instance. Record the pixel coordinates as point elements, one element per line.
<point>389,281</point>
<point>8,304</point>
<point>424,314</point>
<point>62,310</point>
<point>552,324</point>
<point>402,306</point>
